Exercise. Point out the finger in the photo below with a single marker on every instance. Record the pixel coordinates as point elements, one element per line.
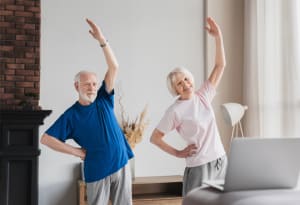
<point>89,22</point>
<point>193,151</point>
<point>207,28</point>
<point>92,25</point>
<point>210,20</point>
<point>192,146</point>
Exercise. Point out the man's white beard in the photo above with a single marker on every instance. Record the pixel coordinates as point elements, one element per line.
<point>88,98</point>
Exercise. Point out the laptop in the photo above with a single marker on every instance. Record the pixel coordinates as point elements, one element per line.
<point>261,163</point>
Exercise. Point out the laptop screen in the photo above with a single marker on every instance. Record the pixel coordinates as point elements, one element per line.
<point>263,163</point>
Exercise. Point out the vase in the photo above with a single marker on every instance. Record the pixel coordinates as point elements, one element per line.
<point>132,167</point>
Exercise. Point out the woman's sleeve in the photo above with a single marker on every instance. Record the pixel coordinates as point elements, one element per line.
<point>168,122</point>
<point>207,91</point>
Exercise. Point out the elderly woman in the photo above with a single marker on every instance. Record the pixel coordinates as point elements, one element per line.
<point>193,118</point>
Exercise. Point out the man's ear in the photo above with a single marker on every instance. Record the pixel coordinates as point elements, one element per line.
<point>76,85</point>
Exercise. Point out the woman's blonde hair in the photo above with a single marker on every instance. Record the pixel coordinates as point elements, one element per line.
<point>172,76</point>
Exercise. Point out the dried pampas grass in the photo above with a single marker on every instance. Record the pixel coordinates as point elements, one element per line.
<point>133,130</point>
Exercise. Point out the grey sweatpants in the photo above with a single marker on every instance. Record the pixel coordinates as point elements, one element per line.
<point>193,176</point>
<point>116,187</point>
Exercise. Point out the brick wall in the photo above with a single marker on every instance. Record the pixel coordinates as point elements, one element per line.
<point>19,54</point>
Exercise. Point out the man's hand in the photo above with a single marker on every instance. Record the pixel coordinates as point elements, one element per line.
<point>96,32</point>
<point>80,152</point>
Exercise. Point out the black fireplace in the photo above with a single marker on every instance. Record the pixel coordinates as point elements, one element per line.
<point>19,152</point>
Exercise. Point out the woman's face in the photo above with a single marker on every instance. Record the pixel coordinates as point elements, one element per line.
<point>184,86</point>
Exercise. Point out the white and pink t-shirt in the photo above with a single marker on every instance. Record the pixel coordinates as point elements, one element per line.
<point>194,120</point>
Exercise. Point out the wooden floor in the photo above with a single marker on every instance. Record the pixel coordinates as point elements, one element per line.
<point>158,200</point>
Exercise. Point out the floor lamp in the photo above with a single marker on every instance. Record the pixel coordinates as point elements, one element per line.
<point>233,113</point>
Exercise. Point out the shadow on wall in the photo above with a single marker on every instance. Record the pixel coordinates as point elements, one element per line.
<point>62,193</point>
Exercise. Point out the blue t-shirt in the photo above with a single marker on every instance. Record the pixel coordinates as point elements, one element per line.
<point>96,129</point>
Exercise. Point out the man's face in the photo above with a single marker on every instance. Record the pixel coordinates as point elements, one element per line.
<point>87,88</point>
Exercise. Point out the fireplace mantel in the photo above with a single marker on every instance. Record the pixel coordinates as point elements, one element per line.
<point>19,152</point>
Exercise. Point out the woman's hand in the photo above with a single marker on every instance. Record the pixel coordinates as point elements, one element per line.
<point>189,151</point>
<point>212,28</point>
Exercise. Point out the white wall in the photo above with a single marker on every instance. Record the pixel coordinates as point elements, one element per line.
<point>149,38</point>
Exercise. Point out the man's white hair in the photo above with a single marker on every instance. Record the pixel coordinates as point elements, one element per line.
<point>172,77</point>
<point>83,72</point>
